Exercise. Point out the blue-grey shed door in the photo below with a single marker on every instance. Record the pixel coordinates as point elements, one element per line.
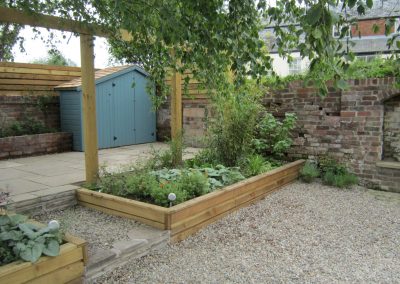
<point>105,115</point>
<point>145,117</point>
<point>115,112</point>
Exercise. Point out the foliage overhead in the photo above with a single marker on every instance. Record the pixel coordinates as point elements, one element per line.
<point>55,57</point>
<point>210,37</point>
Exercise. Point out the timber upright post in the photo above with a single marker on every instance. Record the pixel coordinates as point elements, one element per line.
<point>89,108</point>
<point>176,115</point>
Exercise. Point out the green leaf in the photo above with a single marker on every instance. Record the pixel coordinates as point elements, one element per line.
<point>52,248</point>
<point>370,3</point>
<point>314,14</point>
<point>17,219</point>
<point>317,33</point>
<point>4,220</point>
<point>398,44</point>
<point>32,253</point>
<point>27,231</point>
<point>341,84</point>
<point>375,28</point>
<point>11,236</point>
<point>352,3</point>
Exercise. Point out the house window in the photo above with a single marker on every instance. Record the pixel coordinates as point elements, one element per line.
<point>366,58</point>
<point>295,66</point>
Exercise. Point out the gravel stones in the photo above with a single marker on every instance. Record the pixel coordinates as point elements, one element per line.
<point>301,233</point>
<point>100,230</point>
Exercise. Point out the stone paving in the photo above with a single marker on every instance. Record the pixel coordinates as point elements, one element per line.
<point>32,177</point>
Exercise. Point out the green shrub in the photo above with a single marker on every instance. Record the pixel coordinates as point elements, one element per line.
<point>159,195</point>
<point>27,126</point>
<point>232,128</point>
<point>22,240</point>
<point>140,185</point>
<point>274,135</point>
<point>309,172</point>
<point>336,174</point>
<point>255,165</point>
<point>195,184</point>
<point>341,180</point>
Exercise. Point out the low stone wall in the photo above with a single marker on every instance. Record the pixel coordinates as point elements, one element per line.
<point>29,145</point>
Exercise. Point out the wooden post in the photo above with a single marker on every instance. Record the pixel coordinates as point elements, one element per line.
<point>176,115</point>
<point>89,109</point>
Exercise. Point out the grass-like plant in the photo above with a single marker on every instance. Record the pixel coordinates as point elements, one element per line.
<point>309,172</point>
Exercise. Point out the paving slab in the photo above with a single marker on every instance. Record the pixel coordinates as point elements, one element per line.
<point>20,186</point>
<point>14,173</point>
<point>55,173</point>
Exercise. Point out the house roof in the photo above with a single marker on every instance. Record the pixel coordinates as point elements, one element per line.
<point>101,76</point>
<point>380,9</point>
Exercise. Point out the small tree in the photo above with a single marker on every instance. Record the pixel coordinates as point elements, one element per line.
<point>55,57</point>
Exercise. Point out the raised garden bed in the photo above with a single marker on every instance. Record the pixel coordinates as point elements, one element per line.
<point>188,217</point>
<point>35,144</point>
<point>67,267</point>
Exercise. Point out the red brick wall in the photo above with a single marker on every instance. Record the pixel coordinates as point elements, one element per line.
<point>347,125</point>
<point>14,107</point>
<point>365,28</point>
<point>29,145</point>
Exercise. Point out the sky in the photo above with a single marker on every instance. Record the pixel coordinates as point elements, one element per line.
<point>69,47</point>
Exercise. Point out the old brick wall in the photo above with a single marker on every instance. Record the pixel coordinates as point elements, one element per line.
<point>348,125</point>
<point>29,145</point>
<point>15,107</point>
<point>195,113</point>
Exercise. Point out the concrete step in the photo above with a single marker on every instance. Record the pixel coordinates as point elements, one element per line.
<point>142,241</point>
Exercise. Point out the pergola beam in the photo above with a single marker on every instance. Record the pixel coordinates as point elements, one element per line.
<point>88,80</point>
<point>9,15</point>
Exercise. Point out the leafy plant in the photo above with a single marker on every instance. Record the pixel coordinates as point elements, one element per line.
<point>309,172</point>
<point>27,241</point>
<point>336,174</point>
<point>256,164</point>
<point>233,127</point>
<point>26,126</point>
<point>274,135</point>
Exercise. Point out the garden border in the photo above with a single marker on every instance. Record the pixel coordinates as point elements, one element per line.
<point>67,267</point>
<point>188,217</point>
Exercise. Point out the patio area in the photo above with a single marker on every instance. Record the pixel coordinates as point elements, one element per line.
<point>27,179</point>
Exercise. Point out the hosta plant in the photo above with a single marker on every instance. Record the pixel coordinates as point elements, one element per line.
<point>20,239</point>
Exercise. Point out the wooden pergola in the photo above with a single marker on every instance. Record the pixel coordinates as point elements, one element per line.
<point>87,32</point>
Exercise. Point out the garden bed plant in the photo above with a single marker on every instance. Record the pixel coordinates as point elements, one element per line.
<point>229,173</point>
<point>230,155</point>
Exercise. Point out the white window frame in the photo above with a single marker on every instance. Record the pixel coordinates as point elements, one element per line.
<point>295,67</point>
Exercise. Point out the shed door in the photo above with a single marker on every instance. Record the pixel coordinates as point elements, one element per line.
<point>105,115</point>
<point>124,97</point>
<point>145,117</point>
<point>115,112</point>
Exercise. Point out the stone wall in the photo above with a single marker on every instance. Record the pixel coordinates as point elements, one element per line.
<point>29,145</point>
<point>195,113</point>
<point>15,107</point>
<point>348,125</point>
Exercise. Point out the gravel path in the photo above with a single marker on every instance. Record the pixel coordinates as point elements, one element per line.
<point>98,229</point>
<point>302,233</point>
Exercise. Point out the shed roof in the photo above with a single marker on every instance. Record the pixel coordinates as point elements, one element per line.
<point>102,75</point>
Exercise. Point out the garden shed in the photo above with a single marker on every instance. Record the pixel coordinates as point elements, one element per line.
<point>123,105</point>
